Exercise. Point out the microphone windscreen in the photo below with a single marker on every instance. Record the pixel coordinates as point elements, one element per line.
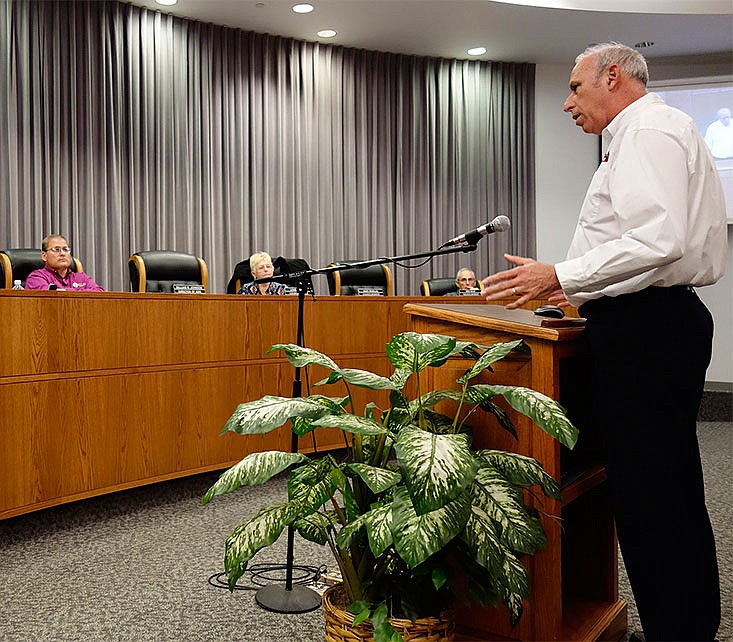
<point>501,223</point>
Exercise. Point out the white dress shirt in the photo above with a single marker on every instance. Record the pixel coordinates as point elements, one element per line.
<point>654,213</point>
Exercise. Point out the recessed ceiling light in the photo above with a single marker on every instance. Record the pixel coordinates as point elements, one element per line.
<point>644,44</point>
<point>476,51</point>
<point>167,3</point>
<point>326,33</point>
<point>303,8</point>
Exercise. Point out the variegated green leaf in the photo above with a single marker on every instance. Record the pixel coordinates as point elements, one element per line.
<point>544,411</point>
<point>378,479</point>
<point>515,605</point>
<point>378,523</point>
<point>483,541</point>
<point>437,468</point>
<point>521,470</point>
<point>501,416</point>
<point>341,482</point>
<point>468,349</point>
<point>313,484</point>
<point>351,423</point>
<point>333,377</point>
<point>493,354</point>
<point>437,423</point>
<point>415,352</point>
<point>417,537</point>
<point>361,378</point>
<point>268,413</point>
<point>254,469</point>
<point>316,526</point>
<point>300,356</point>
<point>504,504</point>
<point>397,418</point>
<point>301,426</point>
<point>515,577</point>
<point>371,410</point>
<point>350,533</point>
<point>429,399</point>
<point>399,377</point>
<point>481,393</point>
<point>248,538</point>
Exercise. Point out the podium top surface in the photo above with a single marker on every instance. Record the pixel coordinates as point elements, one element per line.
<point>496,317</point>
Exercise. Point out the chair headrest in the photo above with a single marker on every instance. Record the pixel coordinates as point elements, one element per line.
<point>283,265</point>
<point>18,263</point>
<point>351,280</point>
<point>439,286</point>
<point>164,268</point>
<point>242,273</point>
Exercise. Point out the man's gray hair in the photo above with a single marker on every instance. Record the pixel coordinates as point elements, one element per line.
<point>45,242</point>
<point>631,62</point>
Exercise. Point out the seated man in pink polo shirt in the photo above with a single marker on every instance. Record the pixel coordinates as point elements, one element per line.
<point>56,273</point>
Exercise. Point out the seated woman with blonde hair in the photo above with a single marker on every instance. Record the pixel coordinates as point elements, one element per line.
<point>260,264</point>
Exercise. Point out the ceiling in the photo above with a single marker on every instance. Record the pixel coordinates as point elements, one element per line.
<point>510,31</point>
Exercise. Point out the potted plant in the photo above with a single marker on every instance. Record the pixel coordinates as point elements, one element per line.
<point>414,517</point>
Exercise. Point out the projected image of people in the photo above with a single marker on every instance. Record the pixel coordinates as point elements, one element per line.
<point>719,135</point>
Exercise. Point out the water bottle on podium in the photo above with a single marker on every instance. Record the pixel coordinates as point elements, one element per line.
<point>17,285</point>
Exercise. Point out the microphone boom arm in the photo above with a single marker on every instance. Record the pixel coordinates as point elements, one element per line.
<point>291,276</point>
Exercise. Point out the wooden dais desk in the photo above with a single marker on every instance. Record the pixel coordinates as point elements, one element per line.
<point>101,392</point>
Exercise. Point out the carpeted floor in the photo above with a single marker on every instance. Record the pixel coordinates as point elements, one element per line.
<point>135,566</point>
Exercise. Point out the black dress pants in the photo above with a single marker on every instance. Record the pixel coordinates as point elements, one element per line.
<point>649,353</point>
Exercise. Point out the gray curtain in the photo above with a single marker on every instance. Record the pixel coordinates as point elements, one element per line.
<point>126,129</point>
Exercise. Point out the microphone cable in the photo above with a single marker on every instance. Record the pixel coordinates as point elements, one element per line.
<point>265,574</point>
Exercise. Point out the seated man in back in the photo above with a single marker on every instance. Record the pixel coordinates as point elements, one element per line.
<point>466,282</point>
<point>260,264</point>
<point>56,273</point>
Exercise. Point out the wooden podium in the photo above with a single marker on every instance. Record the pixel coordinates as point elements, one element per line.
<point>574,582</point>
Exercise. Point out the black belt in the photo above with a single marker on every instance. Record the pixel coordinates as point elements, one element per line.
<point>652,294</point>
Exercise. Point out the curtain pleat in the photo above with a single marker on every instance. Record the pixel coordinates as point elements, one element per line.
<point>126,129</point>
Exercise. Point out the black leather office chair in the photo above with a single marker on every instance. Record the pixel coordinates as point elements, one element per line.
<point>18,263</point>
<point>375,279</point>
<point>161,270</point>
<point>285,265</point>
<point>242,274</point>
<point>438,287</point>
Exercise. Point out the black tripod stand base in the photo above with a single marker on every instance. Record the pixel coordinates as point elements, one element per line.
<point>299,599</point>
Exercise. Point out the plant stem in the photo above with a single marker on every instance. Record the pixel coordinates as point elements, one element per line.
<point>420,412</point>
<point>348,573</point>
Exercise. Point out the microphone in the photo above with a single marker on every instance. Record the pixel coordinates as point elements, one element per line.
<point>499,224</point>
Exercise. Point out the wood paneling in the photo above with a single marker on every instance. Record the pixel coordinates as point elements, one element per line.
<point>105,391</point>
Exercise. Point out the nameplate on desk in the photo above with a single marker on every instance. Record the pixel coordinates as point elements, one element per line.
<point>367,291</point>
<point>290,290</point>
<point>188,288</point>
<point>470,292</point>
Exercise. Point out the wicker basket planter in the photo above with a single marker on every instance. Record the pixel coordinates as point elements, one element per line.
<point>340,629</point>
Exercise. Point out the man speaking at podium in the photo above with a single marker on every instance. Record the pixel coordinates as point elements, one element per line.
<point>652,225</point>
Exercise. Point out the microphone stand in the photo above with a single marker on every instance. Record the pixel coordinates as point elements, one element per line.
<point>292,598</point>
<point>296,598</point>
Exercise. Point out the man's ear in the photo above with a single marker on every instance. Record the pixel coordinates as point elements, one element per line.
<point>612,75</point>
